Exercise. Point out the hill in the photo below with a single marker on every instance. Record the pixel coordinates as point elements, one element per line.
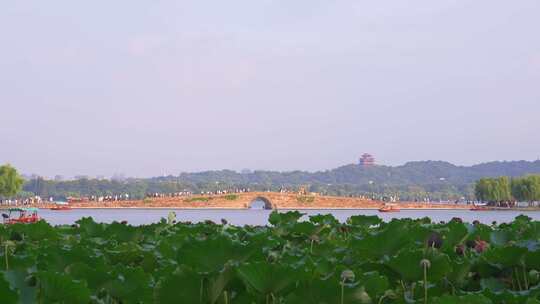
<point>413,180</point>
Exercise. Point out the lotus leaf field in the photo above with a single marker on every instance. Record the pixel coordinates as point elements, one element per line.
<point>319,260</point>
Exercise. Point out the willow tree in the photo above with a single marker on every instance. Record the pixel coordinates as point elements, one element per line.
<point>493,190</point>
<point>526,189</point>
<point>10,181</point>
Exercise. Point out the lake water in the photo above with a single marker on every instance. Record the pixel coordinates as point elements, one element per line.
<point>260,217</point>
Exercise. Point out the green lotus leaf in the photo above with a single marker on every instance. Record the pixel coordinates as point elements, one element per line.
<point>95,276</point>
<point>492,284</point>
<point>364,220</point>
<point>508,256</point>
<point>532,259</point>
<point>407,265</point>
<point>460,271</point>
<point>18,281</point>
<point>126,253</point>
<point>283,218</point>
<point>180,287</point>
<point>508,297</point>
<point>479,231</point>
<point>90,228</point>
<point>328,291</point>
<point>266,278</point>
<point>456,232</point>
<point>217,284</point>
<point>469,299</point>
<point>56,258</point>
<point>395,236</point>
<point>61,288</point>
<point>123,233</point>
<point>211,255</point>
<point>303,229</point>
<point>501,237</point>
<point>7,294</point>
<point>37,231</point>
<point>130,285</point>
<point>324,219</point>
<point>374,283</point>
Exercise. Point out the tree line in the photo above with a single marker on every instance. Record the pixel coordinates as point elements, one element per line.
<point>502,190</point>
<point>492,190</point>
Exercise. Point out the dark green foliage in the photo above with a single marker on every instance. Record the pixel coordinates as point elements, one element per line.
<point>493,189</point>
<point>305,199</point>
<point>319,260</point>
<point>526,189</point>
<point>10,181</point>
<point>197,199</point>
<point>231,197</point>
<point>502,189</point>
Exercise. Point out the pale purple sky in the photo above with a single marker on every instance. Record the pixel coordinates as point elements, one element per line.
<point>158,87</point>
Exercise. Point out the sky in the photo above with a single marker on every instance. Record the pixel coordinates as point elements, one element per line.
<point>146,88</point>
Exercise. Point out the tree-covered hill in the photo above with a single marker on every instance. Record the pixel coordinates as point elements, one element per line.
<point>413,180</point>
<point>412,173</point>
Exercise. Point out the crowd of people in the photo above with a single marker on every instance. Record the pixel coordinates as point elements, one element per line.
<point>101,198</point>
<point>189,193</point>
<point>29,201</point>
<point>173,194</point>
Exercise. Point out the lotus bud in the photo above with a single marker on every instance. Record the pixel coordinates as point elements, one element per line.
<point>363,296</point>
<point>425,263</point>
<point>347,275</point>
<point>273,255</point>
<point>534,275</point>
<point>390,294</point>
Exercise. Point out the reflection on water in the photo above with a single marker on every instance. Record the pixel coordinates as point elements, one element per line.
<point>260,216</point>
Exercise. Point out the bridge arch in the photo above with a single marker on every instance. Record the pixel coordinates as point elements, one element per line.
<point>266,203</point>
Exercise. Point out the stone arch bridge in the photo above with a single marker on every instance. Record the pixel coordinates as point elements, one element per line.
<point>272,200</point>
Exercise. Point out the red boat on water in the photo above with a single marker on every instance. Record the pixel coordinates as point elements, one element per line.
<point>25,215</point>
<point>61,206</point>
<point>389,208</point>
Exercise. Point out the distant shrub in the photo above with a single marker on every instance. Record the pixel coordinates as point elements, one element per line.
<point>197,199</point>
<point>231,197</point>
<point>147,200</point>
<point>305,199</point>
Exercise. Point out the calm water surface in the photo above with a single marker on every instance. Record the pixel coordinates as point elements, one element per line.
<point>260,217</point>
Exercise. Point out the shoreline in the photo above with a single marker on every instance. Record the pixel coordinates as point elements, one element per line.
<point>277,209</point>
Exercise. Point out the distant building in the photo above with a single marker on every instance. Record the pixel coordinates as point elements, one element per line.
<point>367,160</point>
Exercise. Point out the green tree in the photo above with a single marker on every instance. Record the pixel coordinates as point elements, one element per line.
<point>10,181</point>
<point>493,190</point>
<point>526,189</point>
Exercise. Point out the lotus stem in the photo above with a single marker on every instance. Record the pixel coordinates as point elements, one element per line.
<point>526,281</point>
<point>342,291</point>
<point>381,299</point>
<point>6,254</point>
<point>201,291</point>
<point>517,279</point>
<point>225,297</point>
<point>404,289</point>
<point>425,263</point>
<point>425,284</point>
